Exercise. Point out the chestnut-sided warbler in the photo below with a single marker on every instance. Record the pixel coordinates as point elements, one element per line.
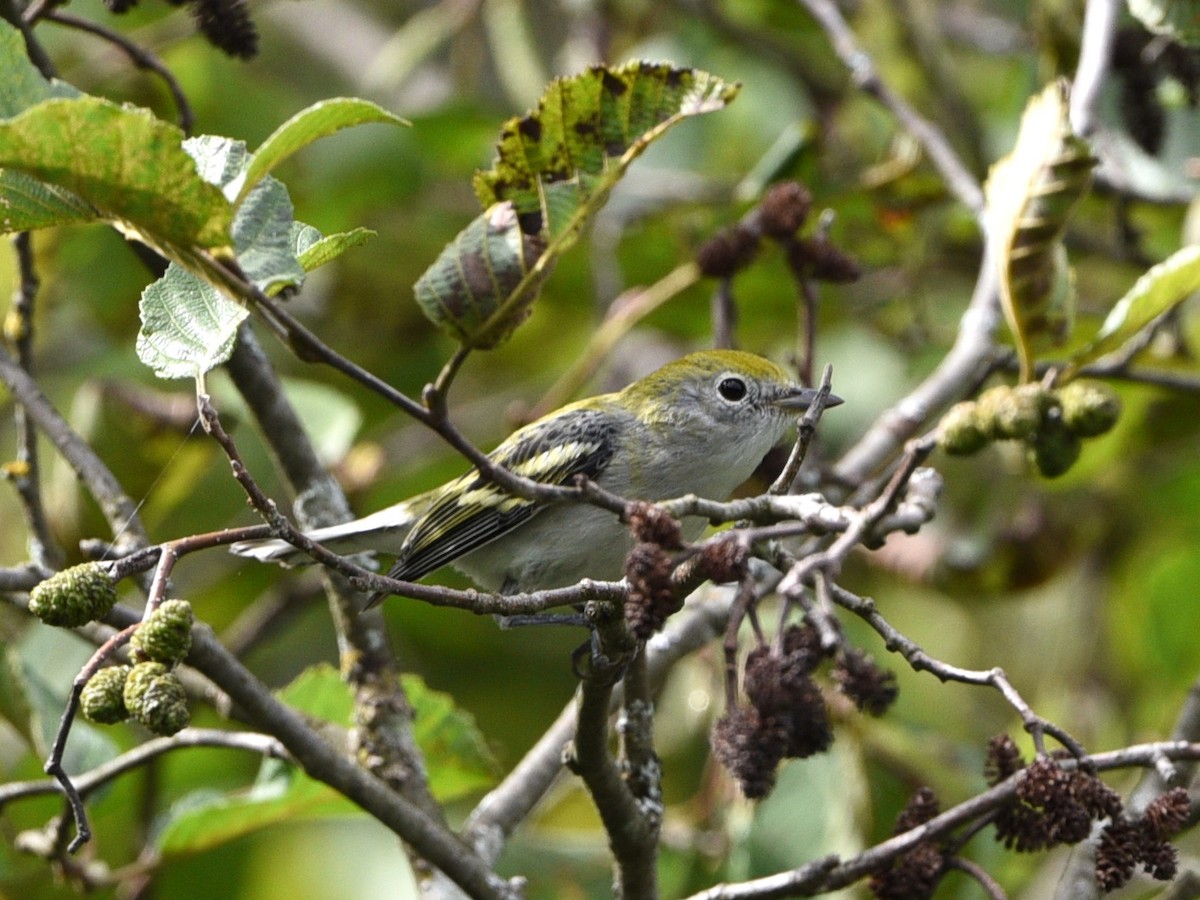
<point>699,425</point>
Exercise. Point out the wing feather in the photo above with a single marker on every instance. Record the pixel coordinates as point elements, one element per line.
<point>470,511</point>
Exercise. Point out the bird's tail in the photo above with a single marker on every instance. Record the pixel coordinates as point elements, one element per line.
<point>382,532</point>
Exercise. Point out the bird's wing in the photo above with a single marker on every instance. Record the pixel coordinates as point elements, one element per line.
<point>471,511</point>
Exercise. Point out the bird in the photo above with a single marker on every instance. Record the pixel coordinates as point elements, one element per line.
<point>698,425</point>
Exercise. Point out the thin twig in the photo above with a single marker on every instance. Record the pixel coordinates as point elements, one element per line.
<point>25,474</point>
<point>724,314</point>
<point>991,887</point>
<point>138,55</point>
<point>920,661</point>
<point>624,312</point>
<point>862,70</point>
<point>23,20</point>
<point>87,782</point>
<point>808,310</point>
<point>383,734</point>
<point>631,826</point>
<point>806,431</point>
<point>1095,51</point>
<point>510,802</point>
<point>118,508</point>
<point>962,368</point>
<point>830,873</point>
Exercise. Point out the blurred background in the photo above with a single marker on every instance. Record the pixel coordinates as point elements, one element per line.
<point>1083,589</point>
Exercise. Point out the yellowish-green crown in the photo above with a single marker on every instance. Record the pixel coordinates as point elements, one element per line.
<point>705,364</point>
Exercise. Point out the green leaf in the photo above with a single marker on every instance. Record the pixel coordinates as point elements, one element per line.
<point>263,224</point>
<point>262,235</point>
<point>318,252</point>
<point>457,757</point>
<point>330,417</point>
<point>475,274</point>
<point>1179,19</point>
<point>319,120</point>
<point>134,171</point>
<point>29,204</point>
<point>219,160</point>
<point>319,692</point>
<point>1030,196</point>
<point>456,754</point>
<point>1163,287</point>
<point>188,327</point>
<point>558,164</point>
<point>21,84</point>
<point>584,133</point>
<point>281,794</point>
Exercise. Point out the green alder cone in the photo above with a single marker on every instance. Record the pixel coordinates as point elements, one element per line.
<point>74,596</point>
<point>1025,408</point>
<point>1089,408</point>
<point>102,699</point>
<point>961,433</point>
<point>166,636</point>
<point>1055,448</point>
<point>138,681</point>
<point>163,706</point>
<point>155,697</point>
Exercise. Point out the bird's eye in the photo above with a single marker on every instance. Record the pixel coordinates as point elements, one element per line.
<point>732,389</point>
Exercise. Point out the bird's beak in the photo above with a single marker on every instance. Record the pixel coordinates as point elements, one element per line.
<point>802,398</point>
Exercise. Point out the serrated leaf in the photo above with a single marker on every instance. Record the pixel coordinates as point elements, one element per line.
<point>1030,196</point>
<point>319,120</point>
<point>27,204</point>
<point>319,692</point>
<point>458,758</point>
<point>1160,289</point>
<point>135,171</point>
<point>1180,19</point>
<point>262,236</point>
<point>325,249</point>
<point>584,122</point>
<point>21,84</point>
<point>188,327</point>
<point>263,224</point>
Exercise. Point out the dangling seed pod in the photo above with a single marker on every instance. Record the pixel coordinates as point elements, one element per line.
<point>1089,408</point>
<point>102,699</point>
<point>166,636</point>
<point>155,697</point>
<point>74,596</point>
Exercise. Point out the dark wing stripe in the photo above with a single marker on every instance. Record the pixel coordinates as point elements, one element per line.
<point>579,442</point>
<point>470,536</point>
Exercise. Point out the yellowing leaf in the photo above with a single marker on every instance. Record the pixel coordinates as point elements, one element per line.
<point>558,164</point>
<point>1030,196</point>
<point>582,124</point>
